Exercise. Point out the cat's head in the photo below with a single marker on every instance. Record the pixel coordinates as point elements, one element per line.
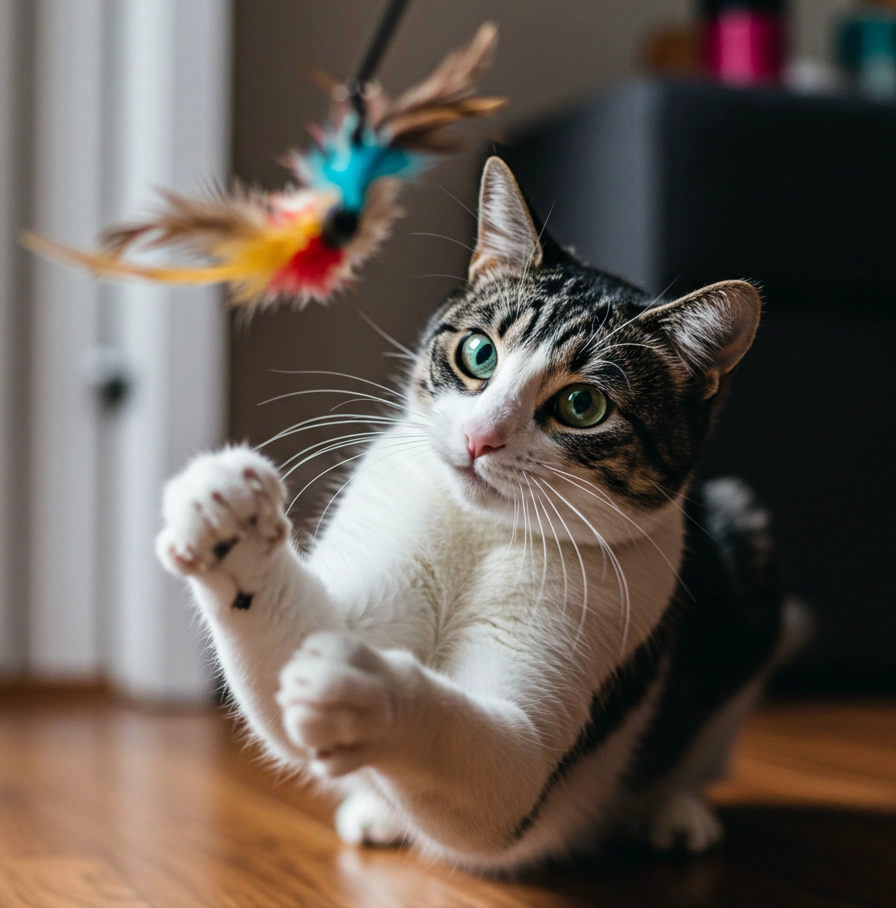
<point>543,379</point>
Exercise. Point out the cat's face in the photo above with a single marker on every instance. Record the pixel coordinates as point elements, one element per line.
<point>551,386</point>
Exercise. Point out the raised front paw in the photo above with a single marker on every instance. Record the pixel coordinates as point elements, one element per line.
<point>338,697</point>
<point>224,508</point>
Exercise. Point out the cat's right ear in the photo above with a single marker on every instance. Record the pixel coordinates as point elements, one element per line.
<point>710,329</point>
<point>507,242</point>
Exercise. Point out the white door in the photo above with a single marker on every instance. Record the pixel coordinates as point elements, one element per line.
<point>127,96</point>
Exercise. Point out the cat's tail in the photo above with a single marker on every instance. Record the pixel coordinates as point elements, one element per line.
<point>743,527</point>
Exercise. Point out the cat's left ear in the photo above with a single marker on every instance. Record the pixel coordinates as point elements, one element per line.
<point>508,241</point>
<point>710,329</point>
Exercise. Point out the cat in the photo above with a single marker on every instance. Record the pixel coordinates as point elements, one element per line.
<point>537,634</point>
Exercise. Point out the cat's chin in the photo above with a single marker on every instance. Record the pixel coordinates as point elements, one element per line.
<point>470,489</point>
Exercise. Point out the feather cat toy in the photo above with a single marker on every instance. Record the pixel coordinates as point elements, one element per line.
<point>307,241</point>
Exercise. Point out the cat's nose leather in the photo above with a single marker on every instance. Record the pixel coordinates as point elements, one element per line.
<point>484,443</point>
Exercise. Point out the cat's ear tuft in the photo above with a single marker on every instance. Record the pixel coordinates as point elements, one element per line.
<point>508,241</point>
<point>711,329</point>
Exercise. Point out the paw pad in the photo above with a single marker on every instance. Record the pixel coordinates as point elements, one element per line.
<point>221,502</point>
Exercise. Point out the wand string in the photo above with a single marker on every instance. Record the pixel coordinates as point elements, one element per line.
<point>376,49</point>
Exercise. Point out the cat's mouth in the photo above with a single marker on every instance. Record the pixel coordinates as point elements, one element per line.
<point>479,484</point>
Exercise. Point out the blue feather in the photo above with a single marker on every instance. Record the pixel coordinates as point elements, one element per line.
<point>352,166</point>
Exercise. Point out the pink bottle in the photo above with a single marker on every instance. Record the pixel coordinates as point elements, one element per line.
<point>744,40</point>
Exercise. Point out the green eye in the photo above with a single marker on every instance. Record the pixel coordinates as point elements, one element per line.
<point>478,356</point>
<point>581,406</point>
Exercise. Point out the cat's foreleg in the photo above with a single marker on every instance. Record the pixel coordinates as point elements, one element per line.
<point>226,531</point>
<point>462,766</point>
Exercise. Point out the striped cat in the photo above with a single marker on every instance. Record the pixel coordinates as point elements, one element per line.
<point>530,633</point>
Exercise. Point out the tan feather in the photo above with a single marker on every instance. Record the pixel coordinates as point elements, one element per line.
<point>425,129</point>
<point>197,224</point>
<point>454,77</point>
<point>417,119</point>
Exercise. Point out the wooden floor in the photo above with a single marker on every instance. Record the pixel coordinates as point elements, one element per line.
<point>102,804</point>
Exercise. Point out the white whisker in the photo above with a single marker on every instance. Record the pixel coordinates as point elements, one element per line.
<point>335,466</point>
<point>387,337</point>
<point>450,239</point>
<point>351,478</point>
<point>599,494</point>
<point>683,511</point>
<point>360,396</point>
<point>459,202</point>
<point>544,542</point>
<point>361,439</point>
<point>365,381</point>
<point>333,419</point>
<point>453,277</point>
<point>578,554</point>
<point>617,567</point>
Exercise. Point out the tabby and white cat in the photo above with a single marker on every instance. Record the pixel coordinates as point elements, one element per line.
<point>534,635</point>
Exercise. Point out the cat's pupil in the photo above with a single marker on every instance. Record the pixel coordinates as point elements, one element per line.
<point>483,354</point>
<point>581,402</point>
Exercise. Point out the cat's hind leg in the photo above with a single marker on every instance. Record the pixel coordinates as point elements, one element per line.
<point>683,818</point>
<point>680,817</point>
<point>364,818</point>
<point>685,821</point>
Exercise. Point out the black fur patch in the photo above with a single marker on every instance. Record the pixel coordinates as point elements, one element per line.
<point>221,550</point>
<point>243,601</point>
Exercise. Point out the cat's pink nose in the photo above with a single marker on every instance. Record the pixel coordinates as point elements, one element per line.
<point>483,442</point>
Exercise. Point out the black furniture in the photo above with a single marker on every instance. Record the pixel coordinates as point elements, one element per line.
<point>676,185</point>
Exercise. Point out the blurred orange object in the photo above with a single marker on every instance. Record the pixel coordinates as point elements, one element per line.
<point>673,50</point>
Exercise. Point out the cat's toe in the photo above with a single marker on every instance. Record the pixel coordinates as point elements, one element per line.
<point>685,822</point>
<point>217,503</point>
<point>364,819</point>
<point>336,702</point>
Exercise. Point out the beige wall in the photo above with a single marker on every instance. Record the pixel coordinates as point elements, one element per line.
<point>551,54</point>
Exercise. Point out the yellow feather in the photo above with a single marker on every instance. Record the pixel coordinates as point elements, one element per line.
<point>246,261</point>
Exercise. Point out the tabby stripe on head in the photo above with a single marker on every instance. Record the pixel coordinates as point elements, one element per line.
<point>441,374</point>
<point>444,328</point>
<point>487,313</point>
<point>648,444</point>
<point>573,331</point>
<point>511,317</point>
